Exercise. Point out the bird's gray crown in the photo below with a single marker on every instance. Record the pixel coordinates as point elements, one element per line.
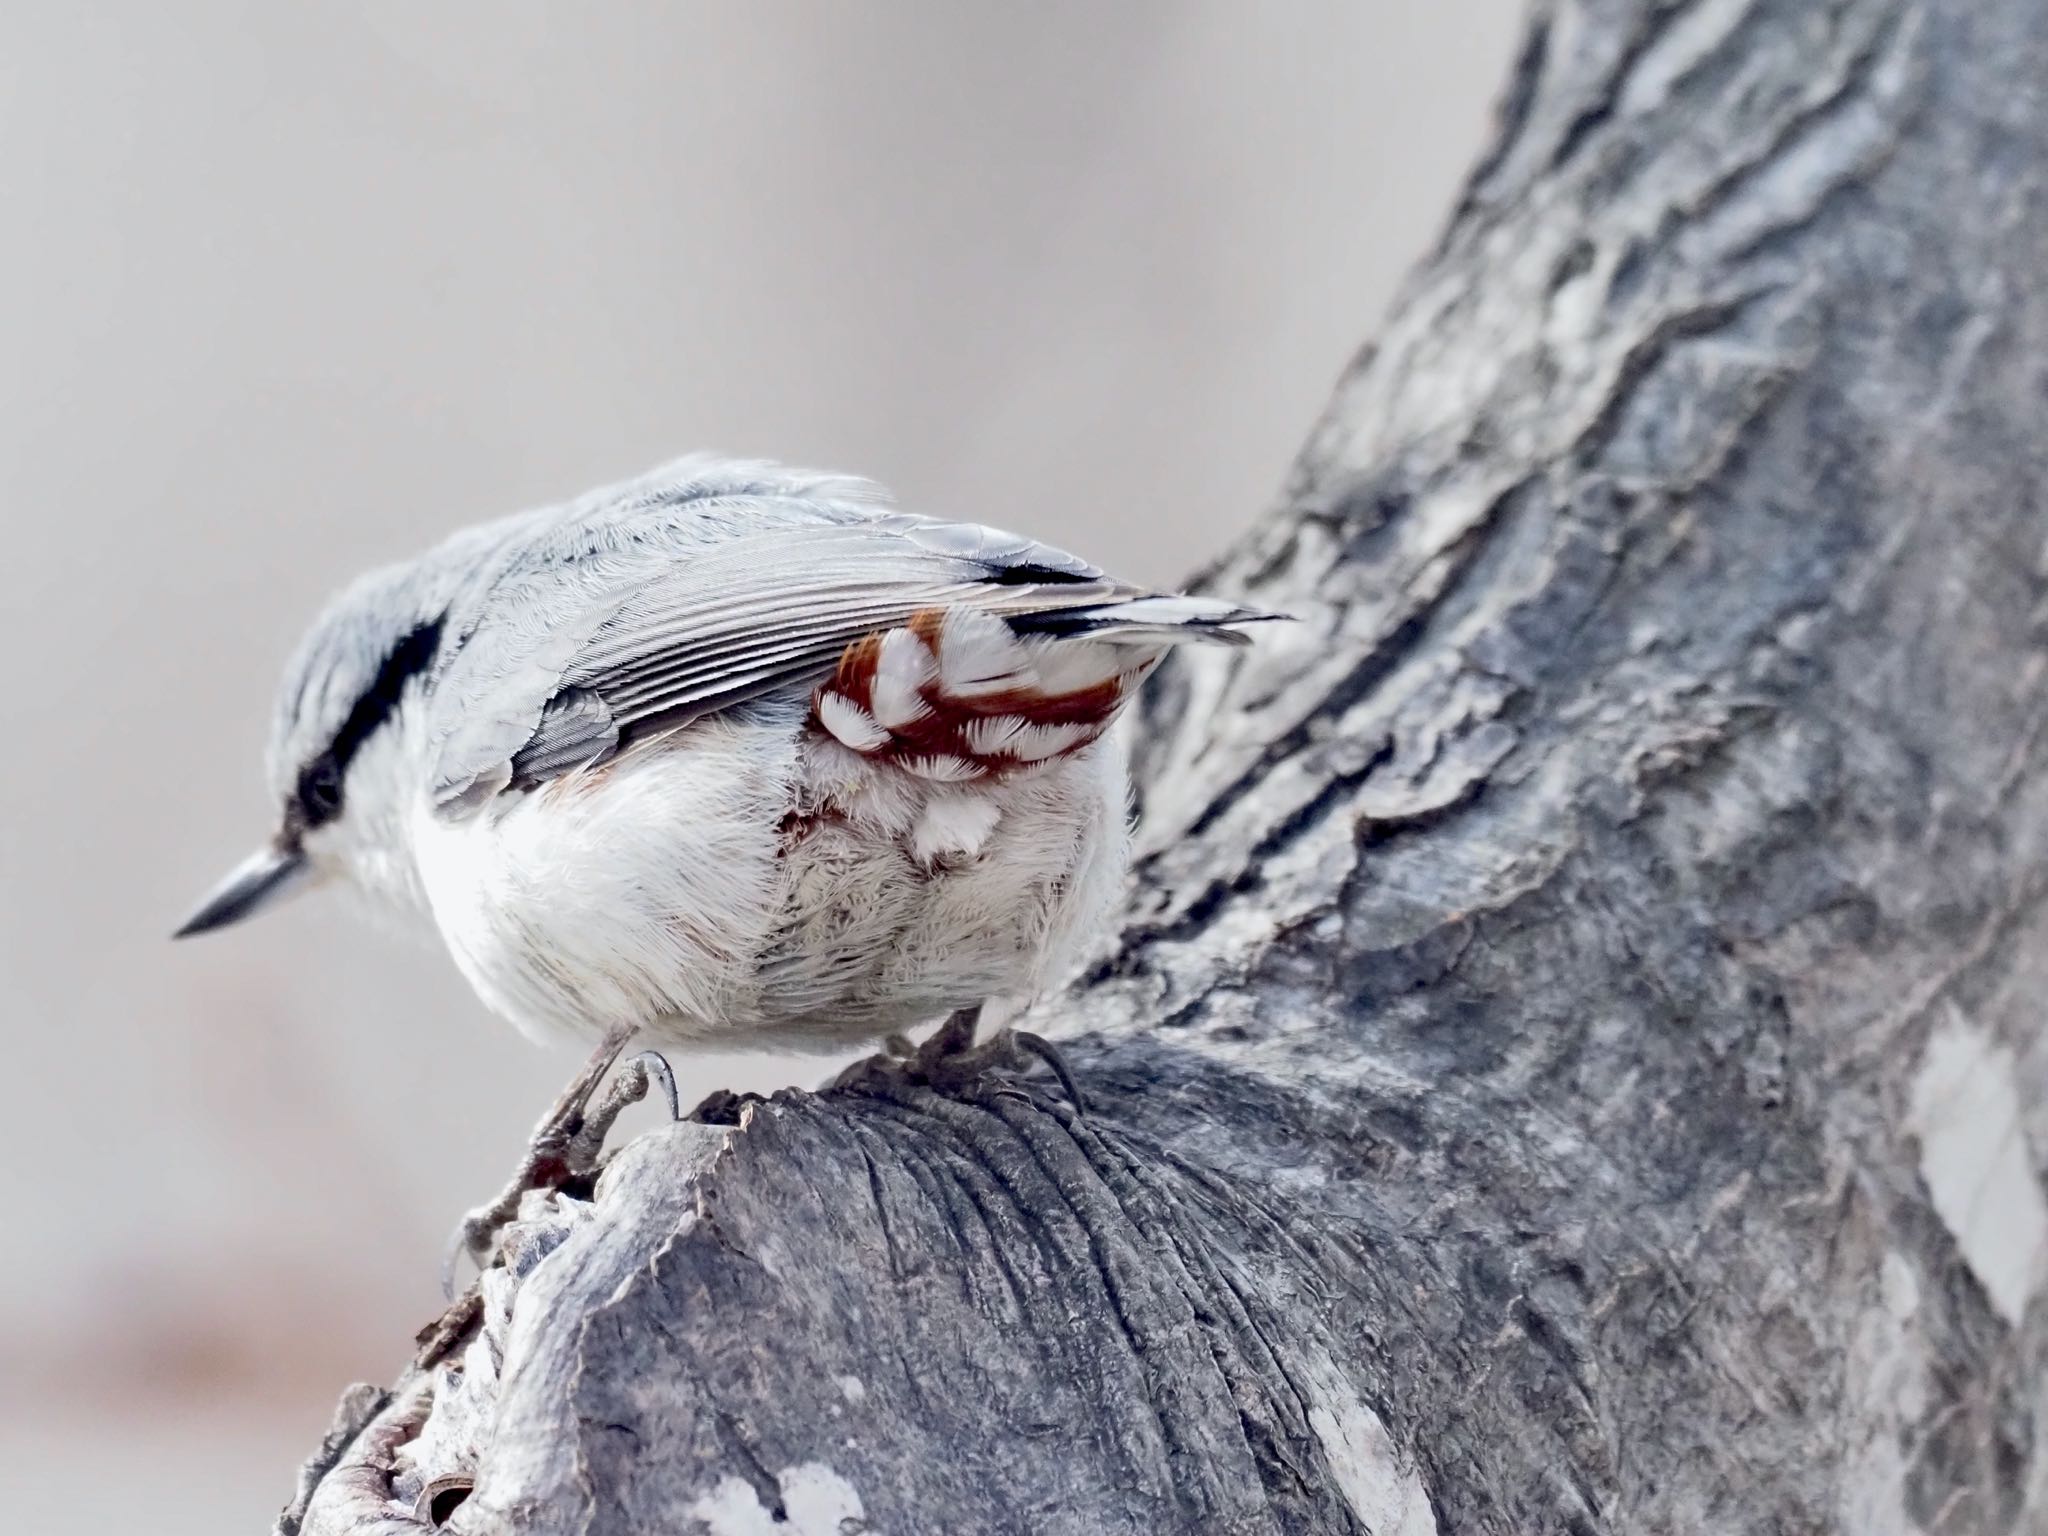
<point>405,621</point>
<point>344,684</point>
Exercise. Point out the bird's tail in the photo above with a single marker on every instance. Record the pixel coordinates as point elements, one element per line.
<point>1161,619</point>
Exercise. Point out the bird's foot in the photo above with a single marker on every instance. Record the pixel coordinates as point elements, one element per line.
<point>951,1061</point>
<point>566,1145</point>
<point>1008,1050</point>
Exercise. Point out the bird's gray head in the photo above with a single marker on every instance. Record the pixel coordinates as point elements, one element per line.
<point>337,745</point>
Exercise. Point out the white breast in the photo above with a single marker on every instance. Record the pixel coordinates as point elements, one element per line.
<point>750,879</point>
<point>644,889</point>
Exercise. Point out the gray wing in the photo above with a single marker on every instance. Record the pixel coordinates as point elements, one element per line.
<point>569,668</point>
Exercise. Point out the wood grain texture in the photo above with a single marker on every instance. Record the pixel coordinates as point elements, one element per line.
<point>1575,1056</point>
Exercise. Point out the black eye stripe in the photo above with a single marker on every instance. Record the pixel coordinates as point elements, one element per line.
<point>320,781</point>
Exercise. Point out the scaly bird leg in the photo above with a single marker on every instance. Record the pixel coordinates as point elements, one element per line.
<point>952,1039</point>
<point>565,1143</point>
<point>650,1069</point>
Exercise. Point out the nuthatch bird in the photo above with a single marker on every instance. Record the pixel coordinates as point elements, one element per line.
<point>728,755</point>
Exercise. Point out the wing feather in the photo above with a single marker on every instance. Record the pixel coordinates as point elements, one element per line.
<point>677,633</point>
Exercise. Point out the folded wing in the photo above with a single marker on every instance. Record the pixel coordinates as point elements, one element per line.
<point>705,629</point>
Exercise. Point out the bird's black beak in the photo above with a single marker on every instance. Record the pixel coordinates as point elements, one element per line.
<point>263,880</point>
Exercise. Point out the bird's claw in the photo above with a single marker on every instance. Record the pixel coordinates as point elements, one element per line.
<point>1037,1045</point>
<point>659,1072</point>
<point>566,1145</point>
<point>950,1060</point>
<point>471,1239</point>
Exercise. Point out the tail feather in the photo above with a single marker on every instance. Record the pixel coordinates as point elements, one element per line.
<point>1153,620</point>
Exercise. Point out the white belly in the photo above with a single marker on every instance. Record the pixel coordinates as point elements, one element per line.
<point>752,883</point>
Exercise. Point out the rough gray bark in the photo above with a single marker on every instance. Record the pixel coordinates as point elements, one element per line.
<point>1574,1057</point>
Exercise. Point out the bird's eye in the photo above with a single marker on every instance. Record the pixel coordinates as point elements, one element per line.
<point>320,790</point>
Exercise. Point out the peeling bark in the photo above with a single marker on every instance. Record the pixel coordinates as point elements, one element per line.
<point>1573,1058</point>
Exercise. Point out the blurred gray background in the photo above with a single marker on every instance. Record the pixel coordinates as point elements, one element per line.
<point>288,290</point>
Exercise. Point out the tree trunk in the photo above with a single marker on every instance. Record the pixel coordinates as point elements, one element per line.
<point>1573,1058</point>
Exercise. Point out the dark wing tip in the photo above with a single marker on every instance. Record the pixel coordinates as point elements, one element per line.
<point>1256,616</point>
